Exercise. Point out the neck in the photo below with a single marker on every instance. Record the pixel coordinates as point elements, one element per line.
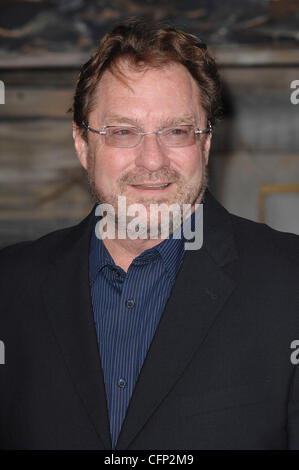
<point>124,251</point>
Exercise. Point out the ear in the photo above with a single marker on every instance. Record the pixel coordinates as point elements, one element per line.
<point>81,145</point>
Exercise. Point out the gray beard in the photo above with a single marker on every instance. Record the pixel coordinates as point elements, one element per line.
<point>186,194</point>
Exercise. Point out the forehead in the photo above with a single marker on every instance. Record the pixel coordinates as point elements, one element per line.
<point>148,94</point>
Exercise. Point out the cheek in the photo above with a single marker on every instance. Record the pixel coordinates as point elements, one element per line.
<point>108,169</point>
<point>189,164</point>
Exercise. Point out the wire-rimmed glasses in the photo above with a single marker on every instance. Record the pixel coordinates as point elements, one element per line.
<point>129,136</point>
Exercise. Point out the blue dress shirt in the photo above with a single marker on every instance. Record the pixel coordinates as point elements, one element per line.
<point>127,308</point>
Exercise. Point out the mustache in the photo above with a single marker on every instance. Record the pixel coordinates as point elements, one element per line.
<point>167,176</point>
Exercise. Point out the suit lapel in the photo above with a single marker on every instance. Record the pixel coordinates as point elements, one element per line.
<point>68,303</point>
<point>200,291</point>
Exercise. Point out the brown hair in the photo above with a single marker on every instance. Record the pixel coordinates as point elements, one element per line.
<point>147,43</point>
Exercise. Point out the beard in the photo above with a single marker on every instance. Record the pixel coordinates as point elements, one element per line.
<point>185,193</point>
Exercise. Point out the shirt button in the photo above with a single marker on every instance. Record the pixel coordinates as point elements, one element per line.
<point>122,383</point>
<point>116,274</point>
<point>130,303</point>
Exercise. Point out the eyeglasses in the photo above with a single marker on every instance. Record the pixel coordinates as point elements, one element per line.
<point>129,137</point>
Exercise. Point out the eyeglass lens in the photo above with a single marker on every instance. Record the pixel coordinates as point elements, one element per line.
<point>130,137</point>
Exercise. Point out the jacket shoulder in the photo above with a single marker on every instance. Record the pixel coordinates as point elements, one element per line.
<point>24,251</point>
<point>260,241</point>
<point>36,255</point>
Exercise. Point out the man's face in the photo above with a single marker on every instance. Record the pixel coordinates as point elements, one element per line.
<point>154,98</point>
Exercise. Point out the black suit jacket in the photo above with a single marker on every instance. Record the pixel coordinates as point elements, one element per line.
<point>218,373</point>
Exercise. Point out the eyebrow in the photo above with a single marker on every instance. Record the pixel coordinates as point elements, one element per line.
<point>187,119</point>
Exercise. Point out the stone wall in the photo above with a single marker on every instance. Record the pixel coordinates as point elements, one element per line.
<point>254,163</point>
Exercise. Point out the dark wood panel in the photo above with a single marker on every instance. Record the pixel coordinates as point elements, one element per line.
<point>27,102</point>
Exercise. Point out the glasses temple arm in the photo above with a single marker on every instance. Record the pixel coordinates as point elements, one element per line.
<point>88,128</point>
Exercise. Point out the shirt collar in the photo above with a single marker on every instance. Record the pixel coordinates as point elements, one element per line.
<point>99,256</point>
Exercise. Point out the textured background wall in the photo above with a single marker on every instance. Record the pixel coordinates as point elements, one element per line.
<point>254,164</point>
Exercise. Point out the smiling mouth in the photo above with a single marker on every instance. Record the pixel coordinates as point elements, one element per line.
<point>151,186</point>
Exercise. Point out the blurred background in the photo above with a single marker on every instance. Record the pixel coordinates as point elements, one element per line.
<point>254,162</point>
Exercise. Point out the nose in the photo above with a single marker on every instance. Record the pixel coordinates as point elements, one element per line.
<point>151,154</point>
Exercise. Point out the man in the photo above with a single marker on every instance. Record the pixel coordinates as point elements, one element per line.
<point>140,343</point>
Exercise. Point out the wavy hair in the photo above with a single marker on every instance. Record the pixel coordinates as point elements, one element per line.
<point>148,43</point>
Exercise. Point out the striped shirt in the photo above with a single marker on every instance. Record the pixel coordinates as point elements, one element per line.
<point>127,308</point>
